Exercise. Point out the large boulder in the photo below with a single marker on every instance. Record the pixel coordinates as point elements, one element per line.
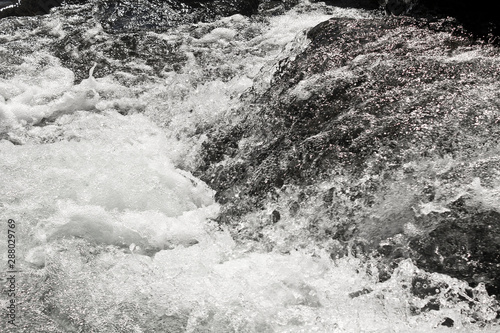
<point>479,17</point>
<point>340,102</point>
<point>380,122</point>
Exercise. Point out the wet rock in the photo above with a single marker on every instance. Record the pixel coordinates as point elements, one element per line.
<point>365,4</point>
<point>305,127</point>
<point>398,7</point>
<point>466,247</point>
<point>135,15</point>
<point>463,243</point>
<point>389,254</point>
<point>276,7</point>
<point>77,52</point>
<point>159,15</point>
<point>294,208</point>
<point>275,216</point>
<point>338,250</point>
<point>434,292</point>
<point>432,305</point>
<point>362,101</point>
<point>424,287</point>
<point>478,18</point>
<point>5,3</point>
<point>231,7</point>
<point>448,322</point>
<point>361,292</point>
<point>30,8</point>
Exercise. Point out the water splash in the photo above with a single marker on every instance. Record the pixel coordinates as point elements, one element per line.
<point>116,237</point>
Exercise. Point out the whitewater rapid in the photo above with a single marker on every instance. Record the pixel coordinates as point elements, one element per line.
<point>115,234</point>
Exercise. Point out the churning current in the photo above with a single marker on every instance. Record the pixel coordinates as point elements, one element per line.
<point>280,172</point>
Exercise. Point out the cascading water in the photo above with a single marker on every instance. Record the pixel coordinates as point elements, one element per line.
<point>102,132</point>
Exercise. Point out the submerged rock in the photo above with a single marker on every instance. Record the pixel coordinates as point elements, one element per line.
<point>465,246</point>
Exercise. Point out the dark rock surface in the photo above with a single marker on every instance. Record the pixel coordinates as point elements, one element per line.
<point>5,3</point>
<point>30,7</point>
<point>133,15</point>
<point>478,17</point>
<point>398,7</point>
<point>78,49</point>
<point>275,7</point>
<point>366,103</point>
<point>465,245</point>
<point>303,133</point>
<point>365,4</point>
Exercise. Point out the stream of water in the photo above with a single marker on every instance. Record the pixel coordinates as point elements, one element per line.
<point>115,234</point>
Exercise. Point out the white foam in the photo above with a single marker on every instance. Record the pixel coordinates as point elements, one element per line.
<point>29,99</point>
<point>219,35</point>
<point>88,180</point>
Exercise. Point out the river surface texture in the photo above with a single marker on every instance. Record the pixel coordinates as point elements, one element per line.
<point>247,166</point>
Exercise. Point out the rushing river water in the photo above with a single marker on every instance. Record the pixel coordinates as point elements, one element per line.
<point>101,132</point>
